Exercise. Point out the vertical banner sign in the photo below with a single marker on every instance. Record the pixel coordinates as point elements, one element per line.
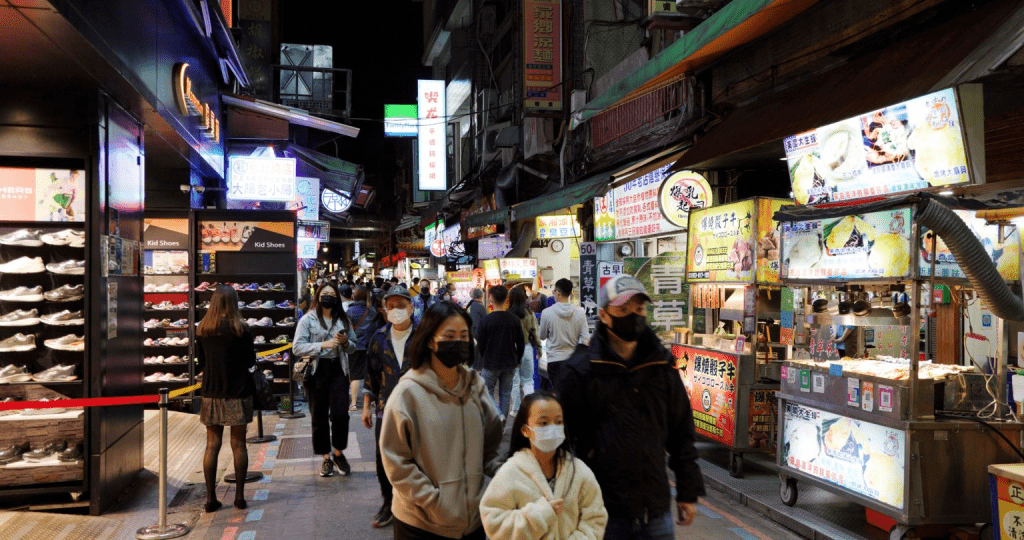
<point>433,156</point>
<point>604,217</point>
<point>542,57</point>
<point>588,281</point>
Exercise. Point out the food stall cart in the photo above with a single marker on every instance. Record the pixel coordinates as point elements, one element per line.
<point>878,431</point>
<point>731,370</point>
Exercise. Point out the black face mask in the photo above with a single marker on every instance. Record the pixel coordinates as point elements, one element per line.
<point>424,291</point>
<point>329,301</point>
<point>453,353</point>
<point>629,327</point>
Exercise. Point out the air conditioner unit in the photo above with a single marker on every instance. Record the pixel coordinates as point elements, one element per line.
<point>538,134</point>
<point>491,149</point>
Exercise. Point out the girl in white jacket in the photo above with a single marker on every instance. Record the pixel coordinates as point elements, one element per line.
<point>542,491</point>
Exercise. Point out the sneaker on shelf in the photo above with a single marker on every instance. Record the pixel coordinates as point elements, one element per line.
<point>65,293</point>
<point>287,304</point>
<point>165,288</point>
<point>183,341</point>
<point>23,294</point>
<point>70,267</point>
<point>183,305</point>
<point>259,340</point>
<point>14,374</point>
<point>11,453</point>
<point>69,342</point>
<point>153,377</point>
<point>181,288</point>
<point>49,410</point>
<point>58,373</point>
<point>256,304</point>
<point>252,287</point>
<point>22,237</point>
<point>280,340</point>
<point>173,360</point>
<point>67,237</point>
<point>236,286</point>
<point>203,305</point>
<point>268,373</point>
<point>23,265</point>
<point>18,342</point>
<point>251,321</point>
<point>21,317</point>
<point>150,360</point>
<point>166,304</point>
<point>286,358</point>
<point>279,287</point>
<point>72,453</point>
<point>205,286</point>
<point>48,450</point>
<point>148,342</point>
<point>327,468</point>
<point>265,321</point>
<point>266,287</point>
<point>269,304</point>
<point>180,323</point>
<point>181,377</point>
<point>287,321</point>
<point>152,323</point>
<point>64,318</point>
<point>150,288</point>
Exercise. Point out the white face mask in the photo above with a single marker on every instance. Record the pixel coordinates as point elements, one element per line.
<point>398,315</point>
<point>548,438</point>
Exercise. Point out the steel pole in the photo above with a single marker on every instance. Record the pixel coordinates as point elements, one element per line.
<point>161,530</point>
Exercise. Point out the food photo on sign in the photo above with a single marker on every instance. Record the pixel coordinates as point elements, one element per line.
<point>861,246</point>
<point>721,243</point>
<point>908,146</point>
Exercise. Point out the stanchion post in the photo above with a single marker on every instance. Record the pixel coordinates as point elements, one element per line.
<point>161,530</point>
<point>260,437</point>
<point>291,414</point>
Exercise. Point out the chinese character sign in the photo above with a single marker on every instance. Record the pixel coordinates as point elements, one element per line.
<point>588,281</point>
<point>862,457</point>
<point>604,217</point>
<point>663,277</point>
<point>433,153</point>
<point>910,146</point>
<point>564,226</point>
<point>638,211</point>
<point>261,179</point>
<point>721,243</point>
<point>710,378</point>
<point>542,54</point>
<point>769,240</point>
<point>682,192</point>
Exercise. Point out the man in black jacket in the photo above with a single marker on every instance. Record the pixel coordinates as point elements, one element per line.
<point>625,407</point>
<point>501,343</point>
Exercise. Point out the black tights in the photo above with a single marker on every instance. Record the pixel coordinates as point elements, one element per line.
<point>214,438</point>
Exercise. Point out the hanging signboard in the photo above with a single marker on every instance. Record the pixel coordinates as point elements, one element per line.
<point>637,210</point>
<point>433,153</point>
<point>909,146</point>
<point>335,202</point>
<point>564,226</point>
<point>769,240</point>
<point>542,54</point>
<point>492,271</point>
<point>682,192</point>
<point>710,380</point>
<point>606,271</point>
<point>478,207</point>
<point>588,281</point>
<point>862,457</point>
<point>314,230</point>
<point>863,246</point>
<point>604,217</point>
<point>400,120</point>
<point>1004,252</point>
<point>663,278</point>
<point>518,268</point>
<point>307,248</point>
<point>721,243</point>
<point>261,179</point>
<point>493,247</point>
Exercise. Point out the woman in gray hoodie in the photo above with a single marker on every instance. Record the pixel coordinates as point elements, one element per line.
<point>440,433</point>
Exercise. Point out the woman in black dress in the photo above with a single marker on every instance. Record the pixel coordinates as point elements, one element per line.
<point>224,348</point>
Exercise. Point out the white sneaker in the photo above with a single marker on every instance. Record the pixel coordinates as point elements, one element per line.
<point>24,265</point>
<point>67,237</point>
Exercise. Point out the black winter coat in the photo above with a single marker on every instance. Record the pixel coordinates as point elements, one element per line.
<point>622,417</point>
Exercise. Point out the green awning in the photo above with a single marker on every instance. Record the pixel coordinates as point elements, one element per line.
<point>492,217</point>
<point>739,22</point>
<point>564,198</point>
<point>337,174</point>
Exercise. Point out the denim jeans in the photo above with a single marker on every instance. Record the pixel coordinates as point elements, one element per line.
<point>660,527</point>
<point>524,377</point>
<point>502,378</point>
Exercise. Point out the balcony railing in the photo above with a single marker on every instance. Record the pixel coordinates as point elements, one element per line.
<point>638,113</point>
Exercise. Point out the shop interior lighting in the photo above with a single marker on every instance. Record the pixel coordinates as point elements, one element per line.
<point>946,193</point>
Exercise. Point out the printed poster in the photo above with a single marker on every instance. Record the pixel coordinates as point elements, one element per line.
<point>604,217</point>
<point>663,277</point>
<point>863,246</point>
<point>763,418</point>
<point>1004,252</point>
<point>711,378</point>
<point>166,233</point>
<point>862,457</point>
<point>42,194</point>
<point>721,246</point>
<point>910,146</point>
<point>769,240</point>
<point>247,236</point>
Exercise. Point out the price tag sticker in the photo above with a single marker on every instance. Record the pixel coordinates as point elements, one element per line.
<point>835,370</point>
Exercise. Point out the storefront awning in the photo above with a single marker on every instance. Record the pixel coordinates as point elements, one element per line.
<point>295,116</point>
<point>564,198</point>
<point>738,23</point>
<point>929,60</point>
<point>334,173</point>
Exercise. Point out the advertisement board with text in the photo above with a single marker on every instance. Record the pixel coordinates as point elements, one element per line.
<point>721,245</point>
<point>1005,252</point>
<point>710,380</point>
<point>42,194</point>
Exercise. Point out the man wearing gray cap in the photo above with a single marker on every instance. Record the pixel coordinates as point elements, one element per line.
<point>385,363</point>
<point>625,407</point>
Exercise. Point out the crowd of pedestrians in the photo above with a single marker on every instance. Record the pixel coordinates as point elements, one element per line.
<point>439,383</point>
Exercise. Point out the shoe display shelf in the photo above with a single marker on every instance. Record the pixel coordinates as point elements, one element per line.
<point>255,251</point>
<point>167,264</point>
<point>42,352</point>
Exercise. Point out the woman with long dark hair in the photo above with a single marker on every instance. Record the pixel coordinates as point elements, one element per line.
<point>440,432</point>
<point>542,491</point>
<point>326,336</point>
<point>523,377</point>
<point>224,349</point>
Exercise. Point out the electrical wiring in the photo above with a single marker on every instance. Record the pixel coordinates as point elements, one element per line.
<point>989,426</point>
